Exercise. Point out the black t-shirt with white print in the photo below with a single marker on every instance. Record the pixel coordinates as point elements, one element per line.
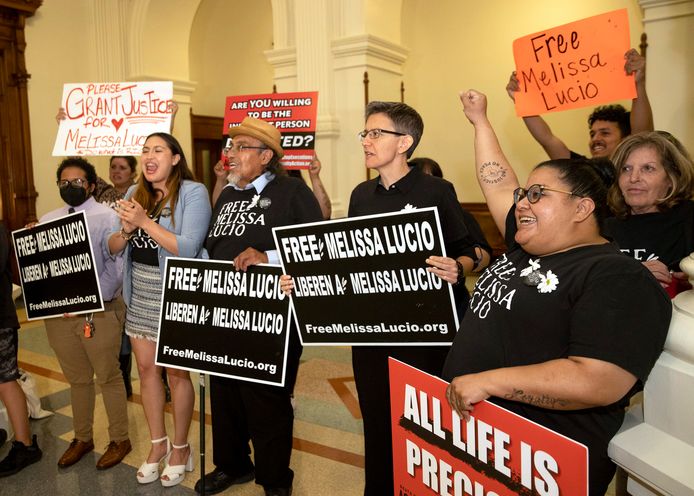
<point>590,301</point>
<point>665,236</point>
<point>243,219</point>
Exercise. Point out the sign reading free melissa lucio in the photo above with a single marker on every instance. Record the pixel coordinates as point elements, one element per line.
<point>364,280</point>
<point>57,268</point>
<point>574,65</point>
<point>221,321</point>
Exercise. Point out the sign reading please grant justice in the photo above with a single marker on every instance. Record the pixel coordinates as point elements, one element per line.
<point>112,118</point>
<point>294,114</point>
<point>364,280</point>
<point>574,65</point>
<point>495,453</point>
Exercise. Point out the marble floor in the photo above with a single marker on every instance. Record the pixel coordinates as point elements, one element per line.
<point>328,443</point>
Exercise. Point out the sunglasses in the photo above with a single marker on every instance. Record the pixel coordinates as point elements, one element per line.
<point>534,193</point>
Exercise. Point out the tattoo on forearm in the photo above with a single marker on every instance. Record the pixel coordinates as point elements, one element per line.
<point>492,172</point>
<point>543,401</point>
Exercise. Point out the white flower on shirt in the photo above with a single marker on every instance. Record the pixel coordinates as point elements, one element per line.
<point>534,265</point>
<point>254,201</point>
<point>548,282</point>
<point>409,206</point>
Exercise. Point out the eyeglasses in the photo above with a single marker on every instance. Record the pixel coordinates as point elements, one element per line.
<point>76,183</point>
<point>240,148</point>
<point>534,193</point>
<point>374,134</point>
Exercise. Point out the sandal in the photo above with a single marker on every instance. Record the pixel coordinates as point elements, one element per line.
<point>176,473</point>
<point>149,472</point>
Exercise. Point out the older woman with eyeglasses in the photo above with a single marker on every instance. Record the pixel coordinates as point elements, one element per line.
<point>563,327</point>
<point>652,202</point>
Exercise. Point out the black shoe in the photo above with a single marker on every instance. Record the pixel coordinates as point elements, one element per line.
<point>278,491</point>
<point>217,481</point>
<point>3,436</point>
<point>19,457</point>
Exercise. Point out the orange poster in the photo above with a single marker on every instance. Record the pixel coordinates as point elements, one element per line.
<point>579,64</point>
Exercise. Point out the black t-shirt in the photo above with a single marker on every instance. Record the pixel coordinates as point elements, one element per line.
<point>420,190</point>
<point>590,302</point>
<point>145,250</point>
<point>665,236</point>
<point>243,219</point>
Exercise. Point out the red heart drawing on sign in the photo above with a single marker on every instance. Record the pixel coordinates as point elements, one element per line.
<point>117,123</point>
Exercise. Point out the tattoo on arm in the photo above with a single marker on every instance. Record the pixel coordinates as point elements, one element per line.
<point>543,401</point>
<point>492,172</point>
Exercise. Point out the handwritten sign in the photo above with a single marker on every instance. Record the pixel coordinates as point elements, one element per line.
<point>363,280</point>
<point>294,114</point>
<point>112,118</point>
<point>574,65</point>
<point>495,453</point>
<point>57,268</point>
<point>221,321</point>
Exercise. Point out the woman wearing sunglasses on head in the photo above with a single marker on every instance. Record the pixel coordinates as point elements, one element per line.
<point>563,328</point>
<point>165,214</point>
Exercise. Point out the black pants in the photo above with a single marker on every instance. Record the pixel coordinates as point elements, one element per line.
<point>246,411</point>
<point>371,377</point>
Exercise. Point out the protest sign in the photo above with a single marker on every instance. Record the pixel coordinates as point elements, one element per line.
<point>574,65</point>
<point>112,118</point>
<point>217,320</point>
<point>495,453</point>
<point>294,114</point>
<point>57,268</point>
<point>363,280</point>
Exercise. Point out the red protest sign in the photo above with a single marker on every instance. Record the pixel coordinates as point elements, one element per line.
<point>495,452</point>
<point>574,65</point>
<point>294,114</point>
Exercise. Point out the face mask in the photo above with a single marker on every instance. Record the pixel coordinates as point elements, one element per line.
<point>73,196</point>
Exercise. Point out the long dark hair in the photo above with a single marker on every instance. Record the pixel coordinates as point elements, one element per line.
<point>145,193</point>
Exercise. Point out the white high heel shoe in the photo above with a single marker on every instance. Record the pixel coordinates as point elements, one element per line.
<point>176,473</point>
<point>150,471</point>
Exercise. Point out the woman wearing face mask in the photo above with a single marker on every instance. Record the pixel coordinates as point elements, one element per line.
<point>652,202</point>
<point>165,215</point>
<point>577,327</point>
<point>82,357</point>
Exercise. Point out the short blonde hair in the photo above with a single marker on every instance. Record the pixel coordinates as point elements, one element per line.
<point>678,167</point>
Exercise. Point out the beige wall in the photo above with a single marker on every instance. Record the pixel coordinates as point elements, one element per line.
<point>455,47</point>
<point>59,50</point>
<point>223,31</point>
<point>451,46</point>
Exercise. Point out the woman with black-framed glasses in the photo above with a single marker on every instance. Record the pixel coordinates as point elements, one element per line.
<point>573,327</point>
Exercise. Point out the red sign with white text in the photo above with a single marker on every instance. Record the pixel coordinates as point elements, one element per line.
<point>495,453</point>
<point>574,65</point>
<point>294,114</point>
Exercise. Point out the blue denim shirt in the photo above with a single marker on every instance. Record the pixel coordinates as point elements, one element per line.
<point>192,215</point>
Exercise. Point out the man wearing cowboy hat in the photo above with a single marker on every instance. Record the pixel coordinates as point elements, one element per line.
<point>258,197</point>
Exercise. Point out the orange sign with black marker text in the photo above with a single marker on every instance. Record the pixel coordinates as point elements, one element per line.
<point>495,453</point>
<point>575,65</point>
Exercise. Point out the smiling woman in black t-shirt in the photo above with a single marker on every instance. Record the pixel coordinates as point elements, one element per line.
<point>652,202</point>
<point>552,332</point>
